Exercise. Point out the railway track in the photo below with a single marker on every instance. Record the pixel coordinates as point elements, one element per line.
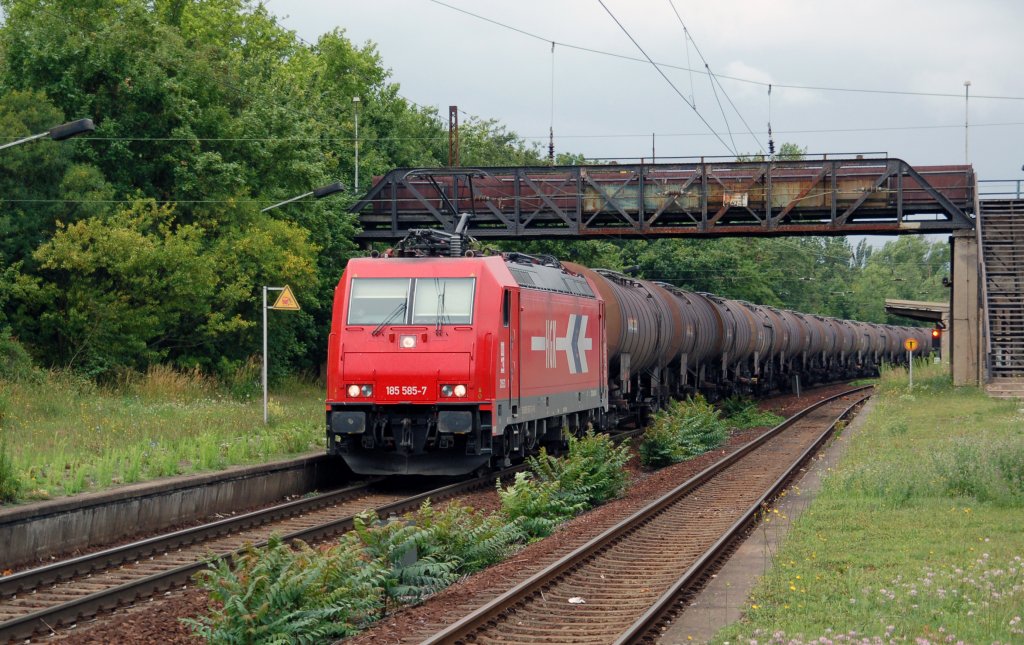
<point>41,600</point>
<point>622,585</point>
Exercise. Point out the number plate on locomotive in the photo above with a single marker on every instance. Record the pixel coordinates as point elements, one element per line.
<point>406,391</point>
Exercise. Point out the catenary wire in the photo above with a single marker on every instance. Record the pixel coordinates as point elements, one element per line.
<point>714,81</point>
<point>613,135</point>
<point>792,86</point>
<point>664,76</point>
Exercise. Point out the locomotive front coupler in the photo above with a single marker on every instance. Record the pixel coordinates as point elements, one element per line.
<point>405,440</point>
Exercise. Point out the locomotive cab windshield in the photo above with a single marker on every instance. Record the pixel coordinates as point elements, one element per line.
<point>411,301</point>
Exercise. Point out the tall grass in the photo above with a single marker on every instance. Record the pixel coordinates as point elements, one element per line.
<point>66,434</point>
<point>917,536</point>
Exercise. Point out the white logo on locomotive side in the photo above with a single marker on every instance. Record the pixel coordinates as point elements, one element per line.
<point>575,344</point>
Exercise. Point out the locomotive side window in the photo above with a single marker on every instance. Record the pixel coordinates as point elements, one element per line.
<point>376,300</point>
<point>444,301</point>
<point>506,308</point>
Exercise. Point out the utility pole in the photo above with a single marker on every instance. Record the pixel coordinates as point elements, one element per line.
<point>453,136</point>
<point>355,106</point>
<point>967,95</point>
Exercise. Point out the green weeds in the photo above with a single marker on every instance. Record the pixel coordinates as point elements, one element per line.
<point>10,481</point>
<point>742,413</point>
<point>558,489</point>
<point>65,434</point>
<point>279,592</point>
<point>915,537</point>
<point>683,430</point>
<point>274,593</point>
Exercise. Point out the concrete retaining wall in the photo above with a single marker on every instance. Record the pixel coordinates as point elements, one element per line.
<point>61,527</point>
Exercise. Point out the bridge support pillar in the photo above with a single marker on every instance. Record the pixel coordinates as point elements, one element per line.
<point>965,327</point>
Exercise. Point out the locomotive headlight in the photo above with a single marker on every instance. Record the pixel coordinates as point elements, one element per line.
<point>446,390</point>
<point>407,342</point>
<point>460,390</point>
<point>367,390</point>
<point>353,391</point>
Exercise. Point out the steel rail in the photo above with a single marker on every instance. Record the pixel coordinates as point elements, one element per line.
<point>720,550</point>
<point>84,565</point>
<point>48,619</point>
<point>486,614</point>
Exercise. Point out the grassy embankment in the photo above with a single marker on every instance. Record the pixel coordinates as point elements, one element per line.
<point>917,534</point>
<point>63,434</point>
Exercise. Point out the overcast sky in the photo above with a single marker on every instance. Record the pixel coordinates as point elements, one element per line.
<point>604,106</point>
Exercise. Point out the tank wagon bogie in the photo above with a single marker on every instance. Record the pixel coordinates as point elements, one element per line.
<point>447,365</point>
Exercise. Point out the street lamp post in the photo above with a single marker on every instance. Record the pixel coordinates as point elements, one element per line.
<point>355,107</point>
<point>58,133</point>
<point>316,193</point>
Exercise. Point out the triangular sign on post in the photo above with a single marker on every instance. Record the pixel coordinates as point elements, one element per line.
<point>286,301</point>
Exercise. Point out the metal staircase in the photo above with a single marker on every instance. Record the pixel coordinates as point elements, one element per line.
<point>1002,241</point>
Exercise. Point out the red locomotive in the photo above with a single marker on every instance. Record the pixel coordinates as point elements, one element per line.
<point>448,365</point>
<point>436,366</point>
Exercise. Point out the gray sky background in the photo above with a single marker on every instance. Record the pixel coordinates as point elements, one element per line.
<point>608,107</point>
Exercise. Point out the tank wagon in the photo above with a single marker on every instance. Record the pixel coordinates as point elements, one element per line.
<point>448,365</point>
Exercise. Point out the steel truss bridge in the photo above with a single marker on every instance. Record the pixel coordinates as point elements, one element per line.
<point>704,199</point>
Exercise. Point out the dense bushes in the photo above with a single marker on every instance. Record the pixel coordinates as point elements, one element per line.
<point>94,278</point>
<point>558,489</point>
<point>288,595</point>
<point>297,594</point>
<point>684,429</point>
<point>15,363</point>
<point>692,427</point>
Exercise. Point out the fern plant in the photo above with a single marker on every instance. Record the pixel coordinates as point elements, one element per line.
<point>472,539</point>
<point>593,468</point>
<point>280,595</point>
<point>539,505</point>
<point>683,430</point>
<point>403,551</point>
<point>661,445</point>
<point>741,412</point>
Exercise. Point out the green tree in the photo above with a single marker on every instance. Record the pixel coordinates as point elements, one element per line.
<point>145,242</point>
<point>37,178</point>
<point>910,267</point>
<point>137,288</point>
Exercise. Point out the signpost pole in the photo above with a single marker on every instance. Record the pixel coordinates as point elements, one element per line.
<point>285,302</point>
<point>264,371</point>
<point>910,345</point>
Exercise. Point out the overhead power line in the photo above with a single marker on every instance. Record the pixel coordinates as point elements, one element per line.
<point>542,137</point>
<point>714,81</point>
<point>667,79</point>
<point>791,86</point>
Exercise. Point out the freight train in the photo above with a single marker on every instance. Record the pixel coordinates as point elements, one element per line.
<point>443,361</point>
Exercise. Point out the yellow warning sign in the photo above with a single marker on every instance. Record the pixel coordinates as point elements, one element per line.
<point>910,344</point>
<point>286,301</point>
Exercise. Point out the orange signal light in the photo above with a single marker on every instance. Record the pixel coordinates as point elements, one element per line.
<point>936,333</point>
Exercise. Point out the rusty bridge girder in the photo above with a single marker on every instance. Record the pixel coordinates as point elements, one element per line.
<point>707,199</point>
